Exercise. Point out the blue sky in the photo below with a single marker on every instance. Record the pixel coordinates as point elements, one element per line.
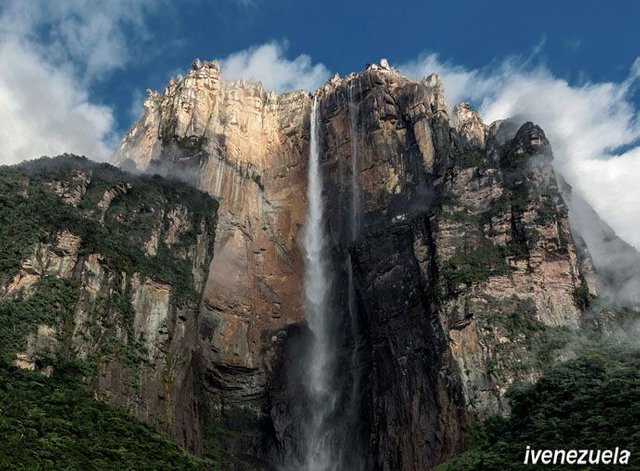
<point>577,40</point>
<point>73,73</point>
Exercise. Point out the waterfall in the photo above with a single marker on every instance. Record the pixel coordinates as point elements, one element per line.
<point>353,455</point>
<point>331,440</point>
<point>354,220</point>
<point>355,197</point>
<point>320,453</point>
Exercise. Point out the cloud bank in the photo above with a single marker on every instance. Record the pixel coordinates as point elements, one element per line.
<point>594,128</point>
<point>268,64</point>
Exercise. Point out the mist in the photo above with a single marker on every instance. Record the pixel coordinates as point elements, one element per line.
<point>617,263</point>
<point>594,128</point>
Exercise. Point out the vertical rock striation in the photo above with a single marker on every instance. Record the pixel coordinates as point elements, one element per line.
<point>246,147</point>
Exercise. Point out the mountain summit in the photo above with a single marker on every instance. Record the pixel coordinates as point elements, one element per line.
<point>463,265</point>
<point>444,268</point>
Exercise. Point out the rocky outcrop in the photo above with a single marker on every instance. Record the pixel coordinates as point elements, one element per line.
<point>246,147</point>
<point>455,271</point>
<point>471,129</point>
<point>510,267</point>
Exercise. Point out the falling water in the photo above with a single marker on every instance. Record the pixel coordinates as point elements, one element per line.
<point>355,193</point>
<point>320,452</point>
<point>353,455</point>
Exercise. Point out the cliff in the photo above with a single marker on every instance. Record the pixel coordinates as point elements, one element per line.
<point>102,274</point>
<point>248,148</point>
<point>465,265</point>
<point>455,272</point>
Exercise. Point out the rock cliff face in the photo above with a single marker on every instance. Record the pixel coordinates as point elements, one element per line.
<point>465,265</point>
<point>104,272</point>
<point>455,272</point>
<point>246,147</point>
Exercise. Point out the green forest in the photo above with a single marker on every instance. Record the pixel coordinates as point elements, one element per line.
<point>55,423</point>
<point>589,402</point>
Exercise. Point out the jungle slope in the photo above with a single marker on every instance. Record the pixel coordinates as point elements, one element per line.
<point>101,277</point>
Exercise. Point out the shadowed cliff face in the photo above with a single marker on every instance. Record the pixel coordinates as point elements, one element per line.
<point>460,278</point>
<point>464,264</point>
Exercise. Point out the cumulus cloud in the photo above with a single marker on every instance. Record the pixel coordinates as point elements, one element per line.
<point>45,110</point>
<point>268,64</point>
<point>50,55</point>
<point>88,35</point>
<point>594,128</point>
<point>457,80</point>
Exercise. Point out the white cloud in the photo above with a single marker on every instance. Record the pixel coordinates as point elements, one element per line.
<point>89,35</point>
<point>268,64</point>
<point>585,124</point>
<point>50,55</point>
<point>46,111</point>
<point>456,79</point>
<point>137,104</point>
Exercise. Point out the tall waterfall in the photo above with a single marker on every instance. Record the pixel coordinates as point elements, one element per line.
<point>354,219</point>
<point>354,209</point>
<point>319,444</point>
<point>354,454</point>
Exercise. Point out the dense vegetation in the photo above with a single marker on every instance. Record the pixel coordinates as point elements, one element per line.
<point>590,402</point>
<point>54,423</point>
<point>476,264</point>
<point>31,212</point>
<point>52,304</point>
